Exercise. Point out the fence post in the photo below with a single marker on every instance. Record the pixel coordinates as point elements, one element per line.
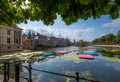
<point>8,70</point>
<point>77,76</point>
<point>17,72</point>
<point>5,73</point>
<point>30,72</point>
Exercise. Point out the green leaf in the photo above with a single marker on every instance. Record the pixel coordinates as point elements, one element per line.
<point>85,2</point>
<point>114,15</point>
<point>11,11</point>
<point>117,2</point>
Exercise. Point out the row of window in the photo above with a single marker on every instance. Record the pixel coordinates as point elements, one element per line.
<point>9,41</point>
<point>9,32</point>
<point>15,33</point>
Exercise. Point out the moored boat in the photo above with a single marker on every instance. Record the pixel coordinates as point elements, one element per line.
<point>85,56</point>
<point>91,53</point>
<point>62,51</point>
<point>48,53</point>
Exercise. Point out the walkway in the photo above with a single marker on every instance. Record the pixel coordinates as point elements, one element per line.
<point>1,79</point>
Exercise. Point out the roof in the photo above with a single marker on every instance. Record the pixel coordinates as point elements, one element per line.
<point>14,26</point>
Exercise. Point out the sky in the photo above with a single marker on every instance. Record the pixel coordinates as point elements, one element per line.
<point>86,30</point>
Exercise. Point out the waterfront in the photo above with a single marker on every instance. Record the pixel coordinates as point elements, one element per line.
<point>101,68</point>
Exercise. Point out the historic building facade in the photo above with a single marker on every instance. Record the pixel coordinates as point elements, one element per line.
<point>10,38</point>
<point>31,41</point>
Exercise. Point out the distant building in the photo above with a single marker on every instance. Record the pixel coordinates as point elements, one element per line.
<point>38,41</point>
<point>10,38</point>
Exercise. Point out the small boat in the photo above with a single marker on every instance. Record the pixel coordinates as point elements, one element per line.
<point>86,56</point>
<point>62,51</point>
<point>79,53</point>
<point>48,53</point>
<point>91,53</point>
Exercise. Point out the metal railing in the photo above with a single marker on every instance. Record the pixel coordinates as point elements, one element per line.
<point>29,78</point>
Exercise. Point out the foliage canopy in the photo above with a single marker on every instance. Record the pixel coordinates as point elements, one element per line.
<point>108,39</point>
<point>18,11</point>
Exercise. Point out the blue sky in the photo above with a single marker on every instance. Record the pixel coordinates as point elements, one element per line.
<point>86,30</point>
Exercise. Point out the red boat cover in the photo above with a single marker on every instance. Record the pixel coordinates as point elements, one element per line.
<point>86,56</point>
<point>62,51</point>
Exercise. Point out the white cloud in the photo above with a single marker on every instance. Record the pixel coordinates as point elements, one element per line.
<point>102,35</point>
<point>114,23</point>
<point>111,30</point>
<point>69,33</point>
<point>36,30</point>
<point>72,34</point>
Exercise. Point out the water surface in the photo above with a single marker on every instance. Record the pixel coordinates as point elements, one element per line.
<point>104,69</point>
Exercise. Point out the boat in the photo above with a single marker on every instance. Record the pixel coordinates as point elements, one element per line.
<point>85,56</point>
<point>48,53</point>
<point>62,51</point>
<point>91,53</point>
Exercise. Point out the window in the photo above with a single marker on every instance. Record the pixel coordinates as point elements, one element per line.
<point>16,41</point>
<point>17,46</point>
<point>8,32</point>
<point>9,47</point>
<point>8,40</point>
<point>15,33</point>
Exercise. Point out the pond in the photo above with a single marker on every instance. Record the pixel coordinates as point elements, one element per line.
<point>102,68</point>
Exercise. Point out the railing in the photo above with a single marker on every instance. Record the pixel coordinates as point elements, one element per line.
<point>29,68</point>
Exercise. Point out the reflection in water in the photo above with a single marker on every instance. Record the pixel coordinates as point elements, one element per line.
<point>101,68</point>
<point>68,48</point>
<point>87,74</point>
<point>113,59</point>
<point>68,79</point>
<point>74,58</point>
<point>114,65</point>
